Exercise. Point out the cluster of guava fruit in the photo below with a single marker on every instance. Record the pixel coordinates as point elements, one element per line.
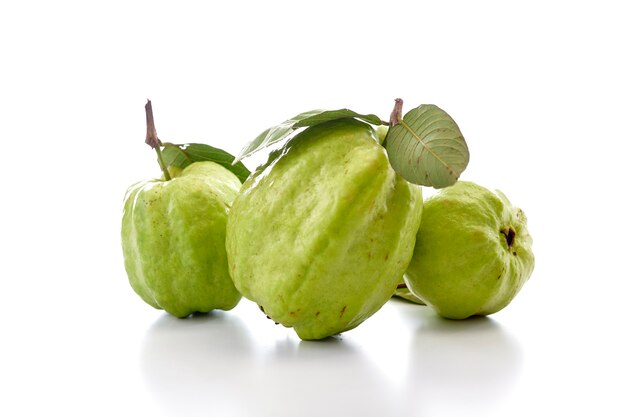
<point>321,236</point>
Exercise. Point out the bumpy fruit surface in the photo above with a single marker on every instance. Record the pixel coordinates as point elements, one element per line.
<point>472,254</point>
<point>321,235</point>
<point>173,240</point>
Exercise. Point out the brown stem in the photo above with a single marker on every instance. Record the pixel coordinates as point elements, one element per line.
<point>151,135</point>
<point>153,140</point>
<point>396,113</point>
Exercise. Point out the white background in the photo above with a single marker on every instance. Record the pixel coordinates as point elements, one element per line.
<point>537,88</point>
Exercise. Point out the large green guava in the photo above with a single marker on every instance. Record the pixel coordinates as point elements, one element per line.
<point>173,239</point>
<point>320,236</point>
<point>472,254</point>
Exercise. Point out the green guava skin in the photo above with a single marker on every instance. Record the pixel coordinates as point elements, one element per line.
<point>173,240</point>
<point>320,236</point>
<point>463,263</point>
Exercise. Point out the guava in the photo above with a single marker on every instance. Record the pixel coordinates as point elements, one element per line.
<point>173,239</point>
<point>320,235</point>
<point>473,252</point>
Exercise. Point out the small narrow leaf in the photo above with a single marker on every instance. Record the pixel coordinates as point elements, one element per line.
<point>273,134</point>
<point>426,147</point>
<point>287,128</point>
<point>173,155</point>
<point>329,115</point>
<point>183,155</point>
<point>408,295</point>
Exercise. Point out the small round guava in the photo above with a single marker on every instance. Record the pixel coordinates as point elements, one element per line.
<point>472,254</point>
<point>173,239</point>
<point>321,235</point>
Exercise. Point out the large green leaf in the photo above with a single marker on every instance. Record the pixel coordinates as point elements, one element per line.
<point>183,155</point>
<point>307,119</point>
<point>426,147</point>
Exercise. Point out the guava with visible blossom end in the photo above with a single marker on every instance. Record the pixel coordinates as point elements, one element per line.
<point>473,252</point>
<point>320,236</point>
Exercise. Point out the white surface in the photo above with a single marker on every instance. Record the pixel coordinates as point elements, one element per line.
<point>537,88</point>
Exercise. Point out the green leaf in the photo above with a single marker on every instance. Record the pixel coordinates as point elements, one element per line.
<point>307,119</point>
<point>183,155</point>
<point>426,147</point>
<point>408,295</point>
<point>328,115</point>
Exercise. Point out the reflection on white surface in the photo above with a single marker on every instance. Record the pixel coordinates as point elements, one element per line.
<point>460,367</point>
<point>238,364</point>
